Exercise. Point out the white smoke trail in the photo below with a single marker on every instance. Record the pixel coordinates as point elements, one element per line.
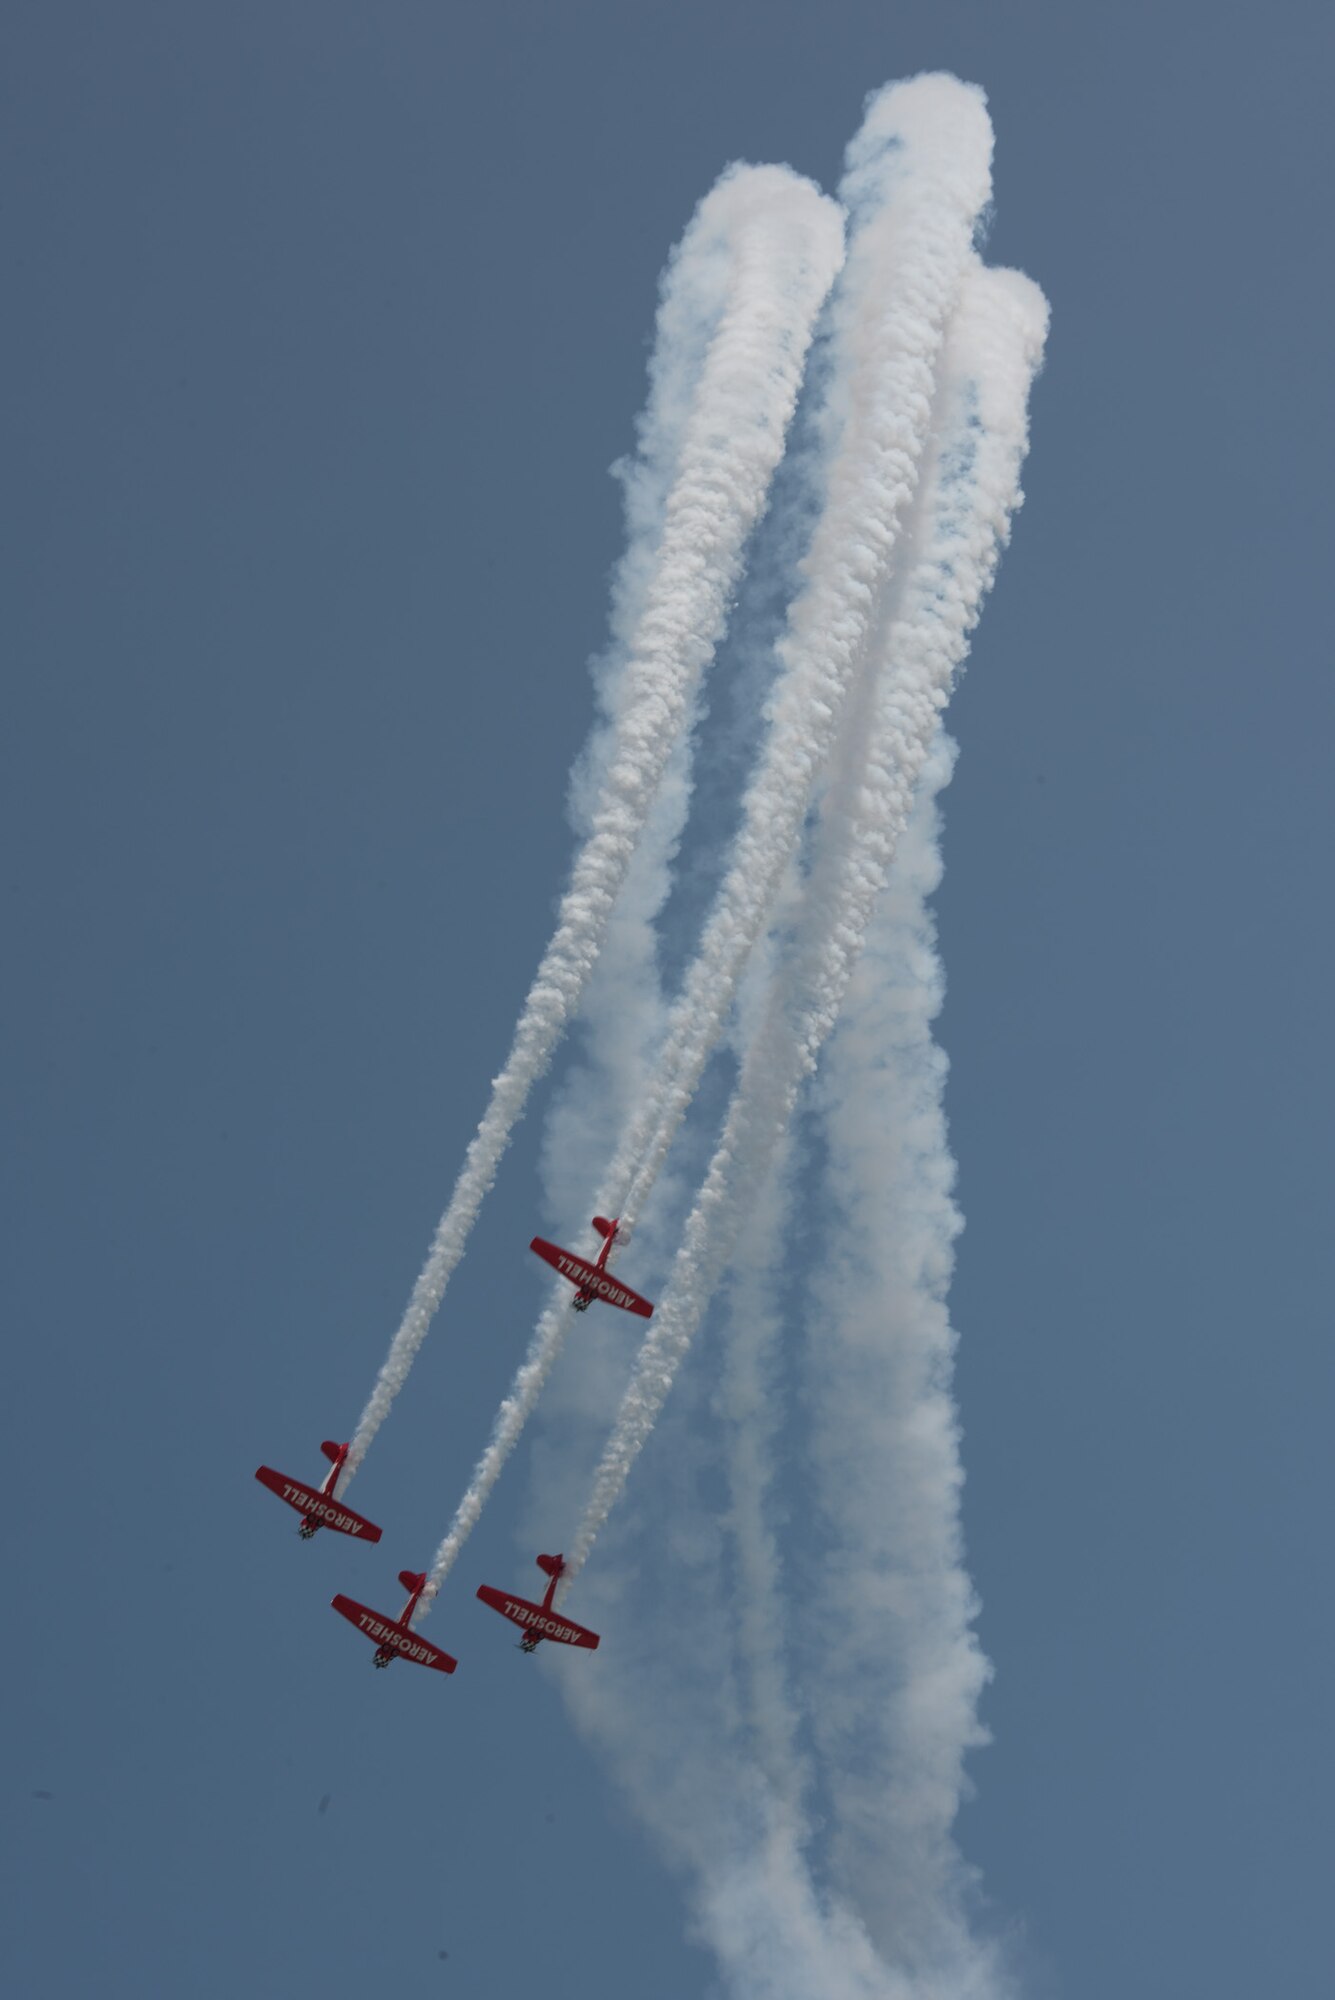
<point>893,1705</point>
<point>918,177</point>
<point>680,1726</point>
<point>739,1829</point>
<point>996,343</point>
<point>756,1905</point>
<point>962,522</point>
<point>749,1402</point>
<point>622,1013</point>
<point>775,243</point>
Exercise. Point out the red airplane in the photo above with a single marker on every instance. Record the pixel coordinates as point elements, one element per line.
<point>538,1621</point>
<point>395,1636</point>
<point>591,1281</point>
<point>320,1510</point>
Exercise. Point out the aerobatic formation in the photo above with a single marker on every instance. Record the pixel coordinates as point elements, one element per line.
<point>838,398</point>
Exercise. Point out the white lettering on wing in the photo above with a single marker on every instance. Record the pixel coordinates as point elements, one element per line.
<point>540,1621</point>
<point>613,1293</point>
<point>396,1640</point>
<point>317,1508</point>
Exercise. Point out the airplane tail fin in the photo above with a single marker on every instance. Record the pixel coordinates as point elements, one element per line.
<point>603,1226</point>
<point>412,1579</point>
<point>334,1452</point>
<point>552,1565</point>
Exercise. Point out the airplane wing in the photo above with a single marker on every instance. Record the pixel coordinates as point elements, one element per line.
<point>588,1278</point>
<point>532,1619</point>
<point>317,1506</point>
<point>382,1631</point>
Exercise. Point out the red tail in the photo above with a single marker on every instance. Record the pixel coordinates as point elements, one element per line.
<point>552,1565</point>
<point>335,1453</point>
<point>412,1579</point>
<point>604,1227</point>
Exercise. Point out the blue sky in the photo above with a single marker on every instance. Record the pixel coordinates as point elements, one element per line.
<point>324,330</point>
